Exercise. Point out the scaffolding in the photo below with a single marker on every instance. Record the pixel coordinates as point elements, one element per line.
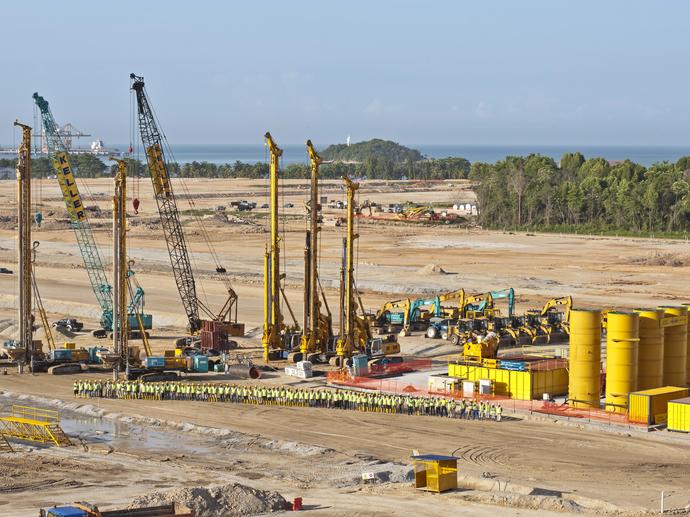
<point>34,425</point>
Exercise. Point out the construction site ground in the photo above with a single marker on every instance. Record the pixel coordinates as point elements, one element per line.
<point>517,465</point>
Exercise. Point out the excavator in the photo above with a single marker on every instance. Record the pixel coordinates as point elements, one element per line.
<point>546,321</point>
<point>278,339</point>
<point>391,315</point>
<point>317,329</point>
<point>355,336</point>
<point>155,147</point>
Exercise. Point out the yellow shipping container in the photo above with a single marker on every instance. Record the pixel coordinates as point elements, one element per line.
<point>651,406</point>
<point>679,415</point>
<point>515,384</point>
<point>70,345</point>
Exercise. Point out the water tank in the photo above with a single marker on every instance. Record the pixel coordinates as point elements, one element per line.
<point>675,347</point>
<point>650,364</point>
<point>585,358</point>
<point>622,336</point>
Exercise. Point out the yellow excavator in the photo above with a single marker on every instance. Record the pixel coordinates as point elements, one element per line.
<point>549,319</point>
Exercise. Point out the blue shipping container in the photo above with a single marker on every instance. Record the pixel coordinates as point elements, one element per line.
<point>200,363</point>
<point>155,362</point>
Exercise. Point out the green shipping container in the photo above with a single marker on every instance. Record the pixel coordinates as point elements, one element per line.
<point>651,406</point>
<point>679,415</point>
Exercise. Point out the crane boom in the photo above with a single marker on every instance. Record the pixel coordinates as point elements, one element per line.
<point>77,213</point>
<point>152,140</point>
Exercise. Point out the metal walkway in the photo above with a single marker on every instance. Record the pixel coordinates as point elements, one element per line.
<point>34,425</point>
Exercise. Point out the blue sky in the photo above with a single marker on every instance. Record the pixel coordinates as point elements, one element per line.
<point>608,72</point>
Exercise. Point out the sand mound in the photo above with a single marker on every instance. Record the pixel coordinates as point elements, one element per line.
<point>431,269</point>
<point>662,259</point>
<point>232,500</point>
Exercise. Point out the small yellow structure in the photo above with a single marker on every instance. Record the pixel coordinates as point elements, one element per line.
<point>34,425</point>
<point>651,406</point>
<point>679,415</point>
<point>435,473</point>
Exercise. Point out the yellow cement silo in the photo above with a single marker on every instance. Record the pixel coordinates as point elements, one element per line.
<point>687,361</point>
<point>650,363</point>
<point>622,336</point>
<point>584,384</point>
<point>675,345</point>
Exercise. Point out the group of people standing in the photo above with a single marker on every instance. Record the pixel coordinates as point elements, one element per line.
<point>290,396</point>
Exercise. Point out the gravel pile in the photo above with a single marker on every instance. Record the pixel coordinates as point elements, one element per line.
<point>232,500</point>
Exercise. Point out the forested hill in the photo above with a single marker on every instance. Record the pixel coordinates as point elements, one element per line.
<point>375,148</point>
<point>535,192</point>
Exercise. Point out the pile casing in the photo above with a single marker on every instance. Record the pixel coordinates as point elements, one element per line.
<point>650,366</point>
<point>622,337</point>
<point>675,347</point>
<point>584,384</point>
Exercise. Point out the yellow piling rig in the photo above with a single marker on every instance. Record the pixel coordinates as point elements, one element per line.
<point>275,332</point>
<point>24,247</point>
<point>317,327</point>
<point>348,343</point>
<point>120,319</point>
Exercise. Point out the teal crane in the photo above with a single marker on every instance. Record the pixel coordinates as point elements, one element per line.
<point>79,222</point>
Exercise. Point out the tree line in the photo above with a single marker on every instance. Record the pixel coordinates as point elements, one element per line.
<point>535,192</point>
<point>90,166</point>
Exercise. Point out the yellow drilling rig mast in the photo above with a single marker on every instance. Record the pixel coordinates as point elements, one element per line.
<point>277,337</point>
<point>122,275</point>
<point>348,344</point>
<point>120,320</point>
<point>24,247</point>
<point>355,330</point>
<point>317,329</point>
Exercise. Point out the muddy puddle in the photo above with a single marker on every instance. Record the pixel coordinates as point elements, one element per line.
<point>124,436</point>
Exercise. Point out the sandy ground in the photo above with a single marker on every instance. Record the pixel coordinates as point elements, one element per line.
<point>319,454</point>
<point>532,457</point>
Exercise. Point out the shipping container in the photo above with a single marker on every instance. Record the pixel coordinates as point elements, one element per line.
<point>155,362</point>
<point>516,384</point>
<point>679,415</point>
<point>651,406</point>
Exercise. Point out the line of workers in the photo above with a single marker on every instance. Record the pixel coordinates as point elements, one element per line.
<point>289,396</point>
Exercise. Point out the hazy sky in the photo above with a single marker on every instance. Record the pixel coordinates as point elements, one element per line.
<point>446,72</point>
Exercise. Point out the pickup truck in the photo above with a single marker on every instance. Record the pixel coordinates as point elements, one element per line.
<point>70,324</point>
